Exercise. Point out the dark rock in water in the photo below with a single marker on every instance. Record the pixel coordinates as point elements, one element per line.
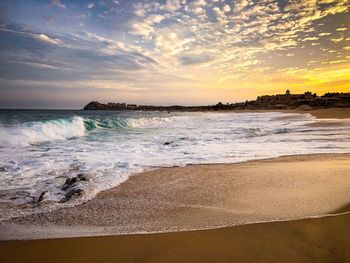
<point>74,192</point>
<point>84,176</point>
<point>2,169</point>
<point>70,186</point>
<point>167,143</point>
<point>71,181</point>
<point>71,193</point>
<point>41,197</point>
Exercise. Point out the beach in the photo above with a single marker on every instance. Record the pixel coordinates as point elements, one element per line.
<point>304,240</point>
<point>337,113</point>
<point>291,207</point>
<point>309,240</point>
<point>330,113</point>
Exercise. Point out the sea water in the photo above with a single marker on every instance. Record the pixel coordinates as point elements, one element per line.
<point>41,149</point>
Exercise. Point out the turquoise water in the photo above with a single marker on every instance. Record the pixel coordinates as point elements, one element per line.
<point>40,150</point>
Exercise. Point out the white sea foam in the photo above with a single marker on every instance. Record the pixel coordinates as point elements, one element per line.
<point>144,122</point>
<point>38,132</point>
<point>112,146</point>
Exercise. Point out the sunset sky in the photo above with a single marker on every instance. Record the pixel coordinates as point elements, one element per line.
<point>63,54</point>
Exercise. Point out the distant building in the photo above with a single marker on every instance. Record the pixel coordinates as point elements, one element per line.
<point>336,95</point>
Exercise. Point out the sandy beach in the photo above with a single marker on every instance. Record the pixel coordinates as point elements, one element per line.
<point>331,113</point>
<point>231,207</point>
<point>306,240</point>
<point>309,240</point>
<point>338,113</point>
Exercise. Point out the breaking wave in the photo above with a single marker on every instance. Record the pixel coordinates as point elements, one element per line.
<point>63,129</point>
<point>37,132</point>
<point>117,123</point>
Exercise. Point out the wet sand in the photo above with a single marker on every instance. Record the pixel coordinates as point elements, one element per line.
<point>201,197</point>
<point>324,239</point>
<point>309,240</point>
<point>337,113</point>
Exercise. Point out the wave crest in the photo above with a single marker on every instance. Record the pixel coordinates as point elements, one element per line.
<point>117,123</point>
<point>92,124</point>
<point>38,132</point>
<point>63,129</point>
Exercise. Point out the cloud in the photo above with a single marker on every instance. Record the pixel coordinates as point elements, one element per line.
<point>172,5</point>
<point>199,3</point>
<point>226,8</point>
<point>198,10</point>
<point>58,4</point>
<point>198,41</point>
<point>253,29</point>
<point>310,38</point>
<point>337,40</point>
<point>37,56</point>
<point>47,39</point>
<point>90,5</point>
<point>195,59</point>
<point>146,26</point>
<point>239,5</point>
<point>342,29</point>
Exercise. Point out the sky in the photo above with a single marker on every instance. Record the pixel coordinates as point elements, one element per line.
<point>65,53</point>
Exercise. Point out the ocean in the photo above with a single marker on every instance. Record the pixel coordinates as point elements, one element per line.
<point>41,149</point>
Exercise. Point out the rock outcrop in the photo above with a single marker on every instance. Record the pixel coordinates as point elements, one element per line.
<point>72,186</point>
<point>94,105</point>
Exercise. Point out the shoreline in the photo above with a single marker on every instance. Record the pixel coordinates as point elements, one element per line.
<point>330,113</point>
<point>133,209</point>
<point>342,211</point>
